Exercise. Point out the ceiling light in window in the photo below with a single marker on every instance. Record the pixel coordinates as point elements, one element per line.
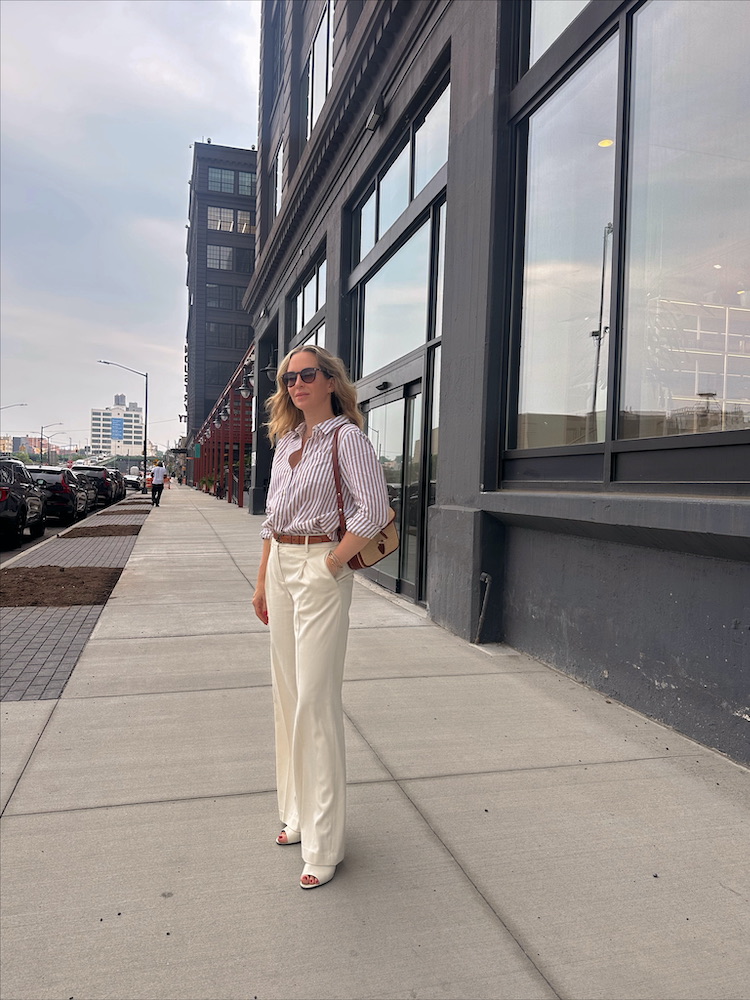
<point>606,142</point>
<point>717,267</point>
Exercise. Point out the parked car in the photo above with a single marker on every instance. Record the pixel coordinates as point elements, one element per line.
<point>66,499</point>
<point>100,475</point>
<point>88,487</point>
<point>119,483</point>
<point>22,503</point>
<point>132,482</point>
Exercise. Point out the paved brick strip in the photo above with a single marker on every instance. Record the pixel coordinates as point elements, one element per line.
<point>110,550</point>
<point>40,646</point>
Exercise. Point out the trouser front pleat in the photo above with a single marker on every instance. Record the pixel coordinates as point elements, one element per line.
<point>308,615</point>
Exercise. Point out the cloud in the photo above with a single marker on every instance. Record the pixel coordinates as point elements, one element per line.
<point>101,102</point>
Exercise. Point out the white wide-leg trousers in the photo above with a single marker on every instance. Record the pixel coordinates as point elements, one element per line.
<point>308,616</point>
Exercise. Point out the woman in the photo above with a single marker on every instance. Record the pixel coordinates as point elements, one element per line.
<point>305,588</point>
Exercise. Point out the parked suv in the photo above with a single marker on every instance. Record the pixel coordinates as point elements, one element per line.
<point>119,483</point>
<point>66,498</point>
<point>102,479</point>
<point>87,486</point>
<point>22,503</point>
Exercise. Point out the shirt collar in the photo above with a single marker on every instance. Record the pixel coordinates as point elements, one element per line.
<point>325,428</point>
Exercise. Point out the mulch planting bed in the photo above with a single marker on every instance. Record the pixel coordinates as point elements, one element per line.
<point>56,586</point>
<point>129,512</point>
<point>93,531</point>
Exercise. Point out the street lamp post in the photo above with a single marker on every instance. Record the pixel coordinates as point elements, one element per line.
<point>145,414</point>
<point>41,441</point>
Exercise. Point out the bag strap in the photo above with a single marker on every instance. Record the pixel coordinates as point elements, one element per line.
<point>337,479</point>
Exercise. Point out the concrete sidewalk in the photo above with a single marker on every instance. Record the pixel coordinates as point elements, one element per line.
<point>512,834</point>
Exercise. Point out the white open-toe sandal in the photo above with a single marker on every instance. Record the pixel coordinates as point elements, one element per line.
<point>292,837</point>
<point>322,873</point>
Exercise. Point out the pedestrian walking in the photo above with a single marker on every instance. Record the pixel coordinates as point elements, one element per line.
<point>304,591</point>
<point>158,474</point>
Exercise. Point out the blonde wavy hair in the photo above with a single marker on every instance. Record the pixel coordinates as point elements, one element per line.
<point>283,415</point>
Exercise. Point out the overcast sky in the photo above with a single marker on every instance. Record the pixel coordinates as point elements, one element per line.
<point>101,100</point>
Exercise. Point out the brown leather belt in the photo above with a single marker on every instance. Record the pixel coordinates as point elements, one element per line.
<point>301,539</point>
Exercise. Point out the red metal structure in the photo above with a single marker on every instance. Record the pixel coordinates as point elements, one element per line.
<point>225,438</point>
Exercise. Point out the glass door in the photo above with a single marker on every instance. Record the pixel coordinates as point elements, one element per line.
<point>395,429</point>
<point>412,519</point>
<point>385,428</point>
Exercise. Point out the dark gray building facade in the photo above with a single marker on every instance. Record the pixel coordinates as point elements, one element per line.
<point>520,226</point>
<point>220,261</point>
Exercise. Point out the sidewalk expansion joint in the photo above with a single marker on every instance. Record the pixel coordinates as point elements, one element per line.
<point>31,753</point>
<point>514,935</point>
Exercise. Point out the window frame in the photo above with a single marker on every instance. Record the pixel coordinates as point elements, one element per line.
<point>396,149</point>
<point>300,333</point>
<point>705,463</point>
<point>430,213</point>
<point>221,189</point>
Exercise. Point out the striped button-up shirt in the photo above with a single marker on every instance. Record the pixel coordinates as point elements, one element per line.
<point>302,500</point>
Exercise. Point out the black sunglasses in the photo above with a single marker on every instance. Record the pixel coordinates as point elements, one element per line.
<point>307,375</point>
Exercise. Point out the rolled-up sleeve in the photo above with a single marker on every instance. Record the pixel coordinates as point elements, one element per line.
<point>363,478</point>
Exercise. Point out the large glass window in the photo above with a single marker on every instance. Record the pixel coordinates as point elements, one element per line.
<point>219,335</point>
<point>435,425</point>
<point>394,191</point>
<point>686,336</point>
<point>277,180</point>
<point>320,78</point>
<point>246,182</point>
<point>396,304</point>
<point>568,251</point>
<point>316,79</point>
<point>219,257</point>
<point>221,219</point>
<point>366,227</point>
<point>219,296</point>
<point>310,297</point>
<point>221,180</point>
<point>243,261</point>
<point>431,141</point>
<point>244,222</point>
<point>549,18</point>
<point>440,277</point>
<point>424,152</point>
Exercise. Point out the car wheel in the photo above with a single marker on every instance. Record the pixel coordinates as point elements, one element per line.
<point>37,530</point>
<point>16,536</point>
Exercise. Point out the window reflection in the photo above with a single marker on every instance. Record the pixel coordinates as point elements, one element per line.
<point>311,297</point>
<point>568,255</point>
<point>549,18</point>
<point>440,281</point>
<point>435,421</point>
<point>412,491</point>
<point>431,141</point>
<point>687,306</point>
<point>322,271</point>
<point>319,84</point>
<point>367,227</point>
<point>394,191</point>
<point>385,428</point>
<point>309,293</point>
<point>395,304</point>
